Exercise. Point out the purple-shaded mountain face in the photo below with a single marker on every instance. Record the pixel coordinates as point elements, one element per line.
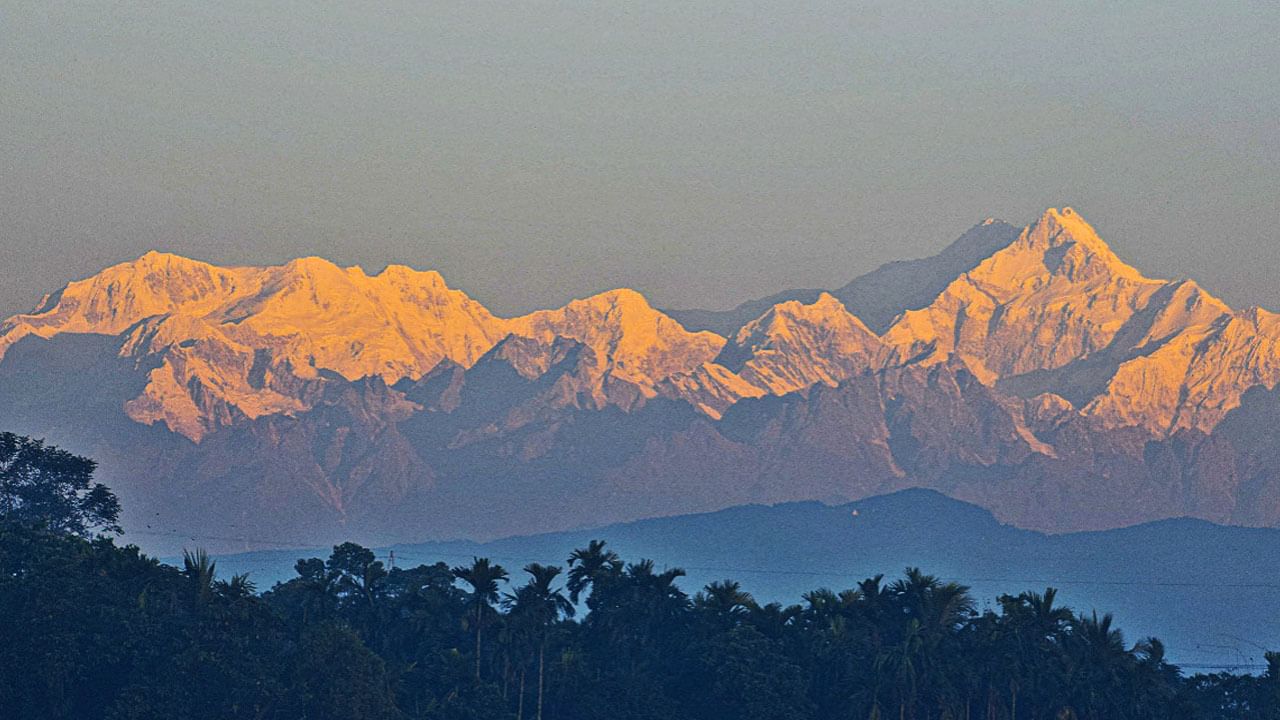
<point>1029,371</point>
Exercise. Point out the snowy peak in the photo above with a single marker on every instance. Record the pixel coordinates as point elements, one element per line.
<point>1072,249</point>
<point>125,294</point>
<point>234,343</point>
<point>784,320</point>
<point>880,297</point>
<point>244,342</point>
<point>1054,295</point>
<point>1058,311</point>
<point>792,346</point>
<point>626,332</point>
<point>795,346</point>
<point>393,325</point>
<point>631,341</point>
<point>1058,254</point>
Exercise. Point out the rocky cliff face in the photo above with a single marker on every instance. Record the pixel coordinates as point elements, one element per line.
<point>1045,379</point>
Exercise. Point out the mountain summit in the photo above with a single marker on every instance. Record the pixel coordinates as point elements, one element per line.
<point>1057,311</point>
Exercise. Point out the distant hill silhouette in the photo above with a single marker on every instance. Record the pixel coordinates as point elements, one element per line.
<point>1209,591</point>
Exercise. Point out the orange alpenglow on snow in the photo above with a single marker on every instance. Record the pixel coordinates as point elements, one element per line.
<point>253,340</point>
<point>1054,317</point>
<point>1057,311</point>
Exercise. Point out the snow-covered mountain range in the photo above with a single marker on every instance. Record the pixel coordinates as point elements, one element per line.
<point>1030,370</point>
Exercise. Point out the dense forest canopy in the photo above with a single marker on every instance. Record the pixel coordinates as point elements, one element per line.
<point>90,629</point>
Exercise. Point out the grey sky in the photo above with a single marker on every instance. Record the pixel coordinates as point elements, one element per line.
<point>702,152</point>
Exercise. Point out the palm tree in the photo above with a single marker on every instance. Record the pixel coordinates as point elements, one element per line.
<point>515,637</point>
<point>239,586</point>
<point>1033,632</point>
<point>725,600</point>
<point>1157,680</point>
<point>657,592</point>
<point>1099,663</point>
<point>199,569</point>
<point>587,565</point>
<point>875,603</point>
<point>934,610</point>
<point>540,605</point>
<point>642,614</point>
<point>822,602</point>
<point>903,663</point>
<point>1049,618</point>
<point>938,605</point>
<point>483,578</point>
<point>773,619</point>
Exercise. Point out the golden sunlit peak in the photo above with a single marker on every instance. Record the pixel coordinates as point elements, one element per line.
<point>1067,227</point>
<point>400,270</point>
<point>162,259</point>
<point>621,298</point>
<point>1069,220</point>
<point>154,255</point>
<point>825,310</point>
<point>1058,283</point>
<point>311,263</point>
<point>827,300</point>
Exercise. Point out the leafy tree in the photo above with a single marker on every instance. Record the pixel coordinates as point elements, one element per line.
<point>51,487</point>
<point>742,674</point>
<point>336,678</point>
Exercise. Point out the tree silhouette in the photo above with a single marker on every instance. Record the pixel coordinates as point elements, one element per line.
<point>483,578</point>
<point>92,631</point>
<point>589,565</point>
<point>538,605</point>
<point>52,488</point>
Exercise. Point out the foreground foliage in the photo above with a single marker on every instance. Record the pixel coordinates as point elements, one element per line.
<point>91,630</point>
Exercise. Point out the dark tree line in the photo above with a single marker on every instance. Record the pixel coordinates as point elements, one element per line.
<point>89,630</point>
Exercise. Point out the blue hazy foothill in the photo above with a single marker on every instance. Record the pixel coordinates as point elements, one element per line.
<point>1165,578</point>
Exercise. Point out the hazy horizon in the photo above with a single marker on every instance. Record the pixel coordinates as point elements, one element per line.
<point>705,153</point>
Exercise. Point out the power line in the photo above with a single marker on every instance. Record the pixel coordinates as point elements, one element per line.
<point>1234,666</point>
<point>1230,667</point>
<point>757,570</point>
<point>834,574</point>
<point>223,538</point>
